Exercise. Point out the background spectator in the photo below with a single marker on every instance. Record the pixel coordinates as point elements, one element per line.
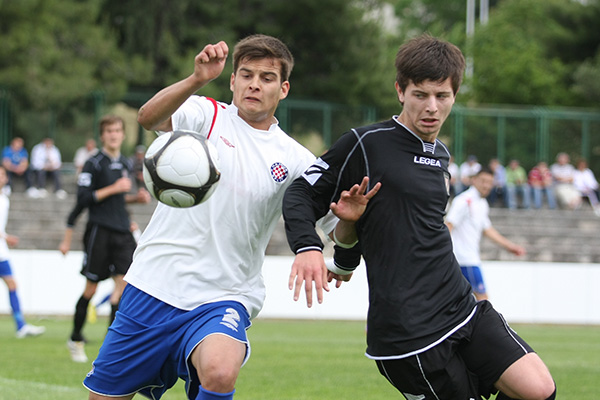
<point>540,180</point>
<point>15,160</point>
<point>516,185</point>
<point>46,162</point>
<point>454,172</point>
<point>498,191</point>
<point>585,181</point>
<point>138,166</point>
<point>83,153</point>
<point>567,194</point>
<point>468,169</point>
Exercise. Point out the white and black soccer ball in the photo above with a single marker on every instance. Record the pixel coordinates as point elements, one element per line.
<point>181,169</point>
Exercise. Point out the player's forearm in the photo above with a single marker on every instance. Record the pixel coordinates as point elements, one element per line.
<point>497,238</point>
<point>157,111</point>
<point>344,234</point>
<point>300,216</point>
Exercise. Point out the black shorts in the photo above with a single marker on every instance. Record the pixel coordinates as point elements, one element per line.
<point>464,366</point>
<point>106,252</point>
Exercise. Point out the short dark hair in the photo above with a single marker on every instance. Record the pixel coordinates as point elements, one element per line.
<point>428,58</point>
<point>484,170</point>
<point>257,47</point>
<point>109,120</point>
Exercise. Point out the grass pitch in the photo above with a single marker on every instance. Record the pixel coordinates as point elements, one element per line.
<point>291,360</point>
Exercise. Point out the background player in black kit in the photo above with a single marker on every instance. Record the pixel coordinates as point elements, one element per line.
<point>102,187</point>
<point>427,334</point>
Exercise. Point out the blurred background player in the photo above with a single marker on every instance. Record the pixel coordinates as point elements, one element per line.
<point>23,329</point>
<point>467,219</point>
<point>103,188</point>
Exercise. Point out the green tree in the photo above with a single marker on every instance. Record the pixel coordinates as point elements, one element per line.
<point>341,55</point>
<point>53,56</point>
<point>529,51</point>
<point>587,80</point>
<point>53,53</point>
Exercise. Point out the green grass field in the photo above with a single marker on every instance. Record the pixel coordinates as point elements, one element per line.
<point>290,360</point>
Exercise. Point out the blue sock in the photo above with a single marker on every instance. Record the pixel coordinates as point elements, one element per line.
<point>16,309</point>
<point>208,395</point>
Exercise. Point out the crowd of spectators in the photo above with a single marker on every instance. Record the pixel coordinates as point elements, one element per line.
<point>43,165</point>
<point>560,185</point>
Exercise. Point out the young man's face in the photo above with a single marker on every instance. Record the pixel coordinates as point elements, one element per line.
<point>112,136</point>
<point>257,90</point>
<point>426,107</point>
<point>484,183</point>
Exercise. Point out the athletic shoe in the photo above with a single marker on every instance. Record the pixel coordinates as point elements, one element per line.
<point>30,330</point>
<point>77,350</point>
<point>61,194</point>
<point>92,316</point>
<point>33,193</point>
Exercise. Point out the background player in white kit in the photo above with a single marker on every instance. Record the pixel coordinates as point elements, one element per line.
<point>468,218</point>
<point>195,281</point>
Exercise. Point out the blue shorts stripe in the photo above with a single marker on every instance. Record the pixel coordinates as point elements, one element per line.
<point>473,274</point>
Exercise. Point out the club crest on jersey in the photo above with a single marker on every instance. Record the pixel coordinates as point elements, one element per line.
<point>427,161</point>
<point>279,172</point>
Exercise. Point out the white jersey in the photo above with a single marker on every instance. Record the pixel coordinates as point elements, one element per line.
<point>215,251</point>
<point>4,206</point>
<point>469,216</point>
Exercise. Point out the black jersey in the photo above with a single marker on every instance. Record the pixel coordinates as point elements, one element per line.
<point>417,293</point>
<point>100,171</point>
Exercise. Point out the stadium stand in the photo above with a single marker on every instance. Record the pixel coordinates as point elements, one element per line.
<point>548,235</point>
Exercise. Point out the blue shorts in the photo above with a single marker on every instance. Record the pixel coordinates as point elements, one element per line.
<point>5,268</point>
<point>473,275</point>
<point>147,347</point>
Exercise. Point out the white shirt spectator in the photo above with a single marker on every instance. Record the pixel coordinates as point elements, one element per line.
<point>45,156</point>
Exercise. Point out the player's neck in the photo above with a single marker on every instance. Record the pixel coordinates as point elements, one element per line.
<point>112,153</point>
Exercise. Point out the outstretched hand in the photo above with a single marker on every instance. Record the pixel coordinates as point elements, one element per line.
<point>353,202</point>
<point>209,63</point>
<point>308,268</point>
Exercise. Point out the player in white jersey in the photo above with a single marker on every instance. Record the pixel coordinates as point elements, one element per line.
<point>23,329</point>
<point>468,219</point>
<point>195,281</point>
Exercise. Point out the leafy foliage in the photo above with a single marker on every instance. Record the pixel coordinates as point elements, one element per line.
<point>53,53</point>
<point>58,57</point>
<point>527,52</point>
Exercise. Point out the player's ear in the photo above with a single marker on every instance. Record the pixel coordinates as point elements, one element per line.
<point>285,89</point>
<point>231,81</point>
<point>400,92</point>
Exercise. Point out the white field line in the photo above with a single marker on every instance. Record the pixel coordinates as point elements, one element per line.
<point>38,385</point>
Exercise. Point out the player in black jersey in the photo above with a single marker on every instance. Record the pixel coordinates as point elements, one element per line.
<point>102,188</point>
<point>427,334</point>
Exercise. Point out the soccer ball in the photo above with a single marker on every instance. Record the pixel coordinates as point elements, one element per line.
<point>181,169</point>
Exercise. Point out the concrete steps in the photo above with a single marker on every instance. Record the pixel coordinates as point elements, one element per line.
<point>548,235</point>
<point>40,223</point>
